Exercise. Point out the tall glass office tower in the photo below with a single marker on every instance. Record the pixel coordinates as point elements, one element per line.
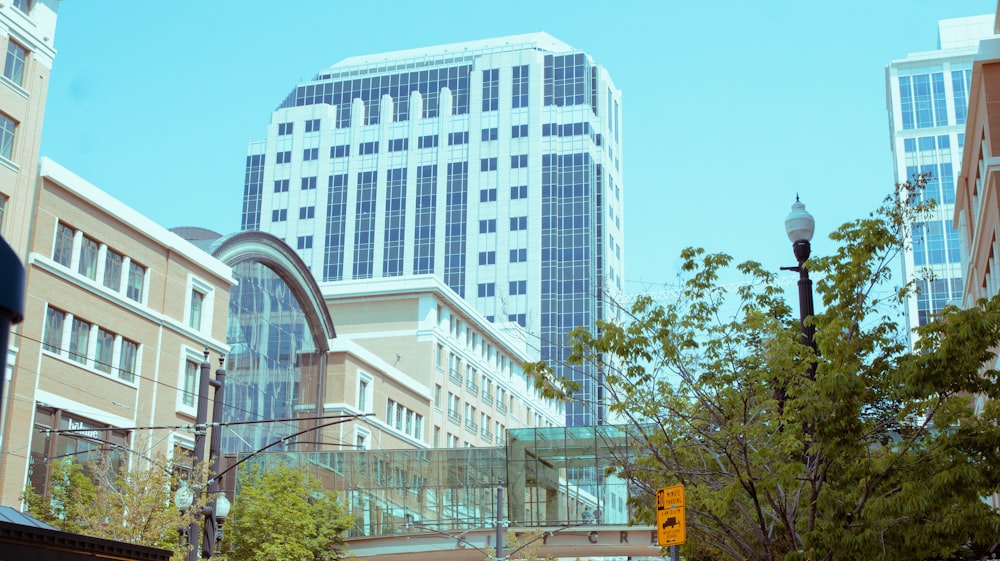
<point>495,165</point>
<point>927,96</point>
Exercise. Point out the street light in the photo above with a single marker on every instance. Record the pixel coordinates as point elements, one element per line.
<point>215,512</point>
<point>799,226</point>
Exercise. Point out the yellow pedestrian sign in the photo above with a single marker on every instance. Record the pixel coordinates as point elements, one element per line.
<point>670,529</point>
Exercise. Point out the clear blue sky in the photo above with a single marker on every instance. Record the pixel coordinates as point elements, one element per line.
<point>730,108</point>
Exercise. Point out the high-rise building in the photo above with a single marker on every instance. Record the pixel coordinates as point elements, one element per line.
<point>495,165</point>
<point>927,96</point>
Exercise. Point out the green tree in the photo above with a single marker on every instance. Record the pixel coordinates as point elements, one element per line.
<point>855,449</point>
<point>285,513</point>
<point>108,500</point>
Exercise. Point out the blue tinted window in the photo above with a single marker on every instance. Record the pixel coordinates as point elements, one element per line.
<point>280,185</point>
<point>519,192</point>
<point>307,212</point>
<point>906,102</point>
<point>342,151</point>
<point>310,154</point>
<point>518,287</point>
<point>943,142</point>
<point>518,223</point>
<point>336,222</point>
<point>279,215</point>
<point>487,226</point>
<point>458,138</point>
<point>940,103</point>
<point>486,289</point>
<point>488,164</point>
<point>487,257</point>
<point>428,141</point>
<point>304,242</point>
<point>308,183</point>
<point>961,140</point>
<point>253,189</point>
<point>364,232</point>
<point>925,143</point>
<point>519,131</point>
<point>368,148</point>
<point>487,195</point>
<point>456,184</point>
<point>909,145</point>
<point>519,161</point>
<point>489,134</point>
<point>491,89</point>
<point>518,255</point>
<point>284,128</point>
<point>399,144</point>
<point>395,222</point>
<point>519,87</point>
<point>283,157</point>
<point>312,125</point>
<point>424,220</point>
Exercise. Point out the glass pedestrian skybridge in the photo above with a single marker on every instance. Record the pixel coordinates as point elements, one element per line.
<point>548,476</point>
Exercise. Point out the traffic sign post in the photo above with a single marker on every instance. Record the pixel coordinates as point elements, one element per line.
<point>670,523</point>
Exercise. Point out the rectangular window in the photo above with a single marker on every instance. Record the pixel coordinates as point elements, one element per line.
<point>283,157</point>
<point>487,226</point>
<point>195,311</point>
<point>519,131</point>
<point>23,5</point>
<point>136,281</point>
<point>127,360</point>
<point>279,215</point>
<point>429,141</point>
<point>519,192</point>
<point>284,128</point>
<point>54,320</point>
<point>280,185</point>
<point>399,144</point>
<point>308,183</point>
<point>304,242</point>
<point>909,145</point>
<point>491,89</point>
<point>7,126</point>
<point>79,340</point>
<point>455,138</point>
<point>488,195</point>
<point>518,287</point>
<point>189,384</point>
<point>518,255</point>
<point>88,258</point>
<point>63,251</point>
<point>309,154</point>
<point>519,161</point>
<point>519,89</point>
<point>368,148</point>
<point>488,164</point>
<point>487,257</point>
<point>13,68</point>
<point>3,205</point>
<point>486,290</point>
<point>105,350</point>
<point>342,151</point>
<point>518,223</point>
<point>312,125</point>
<point>113,270</point>
<point>307,212</point>
<point>489,134</point>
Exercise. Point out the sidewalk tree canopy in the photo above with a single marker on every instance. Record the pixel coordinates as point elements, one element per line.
<point>859,449</point>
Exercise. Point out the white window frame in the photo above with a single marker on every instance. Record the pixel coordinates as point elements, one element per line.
<point>186,354</point>
<point>207,304</point>
<point>367,406</point>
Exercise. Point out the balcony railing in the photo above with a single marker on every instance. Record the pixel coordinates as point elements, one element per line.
<point>501,407</point>
<point>487,434</point>
<point>472,385</point>
<point>455,376</point>
<point>471,426</point>
<point>454,416</point>
<point>487,398</point>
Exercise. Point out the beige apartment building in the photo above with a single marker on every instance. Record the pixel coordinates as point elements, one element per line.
<point>118,314</point>
<point>428,368</point>
<point>27,32</point>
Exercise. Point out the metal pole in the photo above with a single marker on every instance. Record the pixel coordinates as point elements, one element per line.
<point>499,521</point>
<point>675,553</point>
<point>199,448</point>
<point>214,456</point>
<point>802,250</point>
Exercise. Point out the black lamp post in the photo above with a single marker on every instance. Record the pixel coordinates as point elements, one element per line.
<point>799,226</point>
<point>217,510</point>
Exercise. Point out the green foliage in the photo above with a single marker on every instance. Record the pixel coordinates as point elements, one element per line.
<point>107,500</point>
<point>853,449</point>
<point>284,513</point>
